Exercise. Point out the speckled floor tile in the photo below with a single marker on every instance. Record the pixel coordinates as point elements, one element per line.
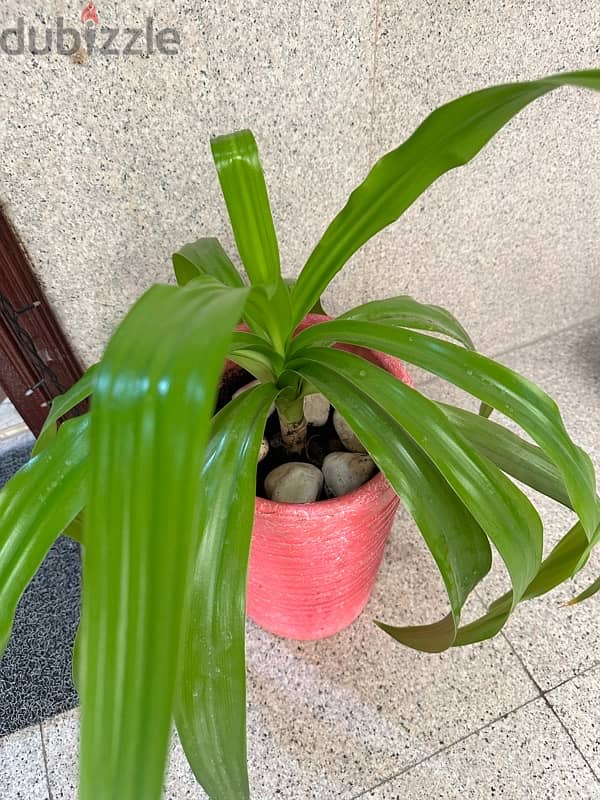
<point>332,717</point>
<point>555,642</point>
<point>328,719</point>
<point>61,739</point>
<point>22,773</point>
<point>9,417</point>
<point>61,742</point>
<point>576,703</point>
<point>525,756</point>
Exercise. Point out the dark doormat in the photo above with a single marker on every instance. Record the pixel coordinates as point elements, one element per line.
<point>35,671</point>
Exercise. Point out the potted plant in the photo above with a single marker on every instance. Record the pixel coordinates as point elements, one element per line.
<point>169,486</point>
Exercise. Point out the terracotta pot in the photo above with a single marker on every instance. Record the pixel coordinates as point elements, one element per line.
<point>313,566</point>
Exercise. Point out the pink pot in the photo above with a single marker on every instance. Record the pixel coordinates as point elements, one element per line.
<point>313,566</point>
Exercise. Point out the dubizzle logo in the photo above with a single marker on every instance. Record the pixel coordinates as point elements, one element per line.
<point>39,40</point>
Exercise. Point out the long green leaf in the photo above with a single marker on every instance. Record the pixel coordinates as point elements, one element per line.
<point>524,461</point>
<point>208,257</point>
<point>495,384</point>
<point>61,405</point>
<point>211,708</point>
<point>255,355</point>
<point>405,312</point>
<point>456,541</point>
<point>528,464</point>
<point>243,185</point>
<point>451,136</point>
<point>35,506</point>
<point>562,563</point>
<point>591,590</point>
<point>502,511</point>
<point>154,395</point>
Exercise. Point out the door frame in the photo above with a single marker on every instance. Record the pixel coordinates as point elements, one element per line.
<point>37,363</point>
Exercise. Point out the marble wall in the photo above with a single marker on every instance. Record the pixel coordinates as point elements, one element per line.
<point>106,165</point>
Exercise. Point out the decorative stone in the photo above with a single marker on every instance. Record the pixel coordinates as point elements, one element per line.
<point>264,449</point>
<point>346,434</point>
<point>316,409</point>
<point>345,472</point>
<point>294,482</point>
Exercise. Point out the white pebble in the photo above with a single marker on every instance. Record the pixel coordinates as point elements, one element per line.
<point>316,409</point>
<point>344,472</point>
<point>294,482</point>
<point>346,434</point>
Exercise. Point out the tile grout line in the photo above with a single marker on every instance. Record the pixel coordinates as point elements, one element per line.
<point>45,758</point>
<point>570,735</point>
<point>541,695</point>
<point>592,667</point>
<point>549,704</point>
<point>515,348</point>
<point>429,756</point>
<point>545,336</point>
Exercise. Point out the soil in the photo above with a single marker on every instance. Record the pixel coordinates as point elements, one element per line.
<point>320,441</point>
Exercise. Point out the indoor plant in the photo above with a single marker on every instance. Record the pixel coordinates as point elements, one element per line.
<point>169,489</point>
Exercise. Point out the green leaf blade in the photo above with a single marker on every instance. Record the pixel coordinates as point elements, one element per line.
<point>149,425</point>
<point>456,541</point>
<point>36,505</point>
<point>491,382</point>
<point>501,509</point>
<point>61,405</point>
<point>562,563</point>
<point>205,257</point>
<point>243,184</point>
<point>524,461</point>
<point>591,590</point>
<point>405,312</point>
<point>211,709</point>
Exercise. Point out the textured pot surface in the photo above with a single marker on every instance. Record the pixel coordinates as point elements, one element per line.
<point>313,566</point>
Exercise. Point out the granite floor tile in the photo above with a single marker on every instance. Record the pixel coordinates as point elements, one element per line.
<point>61,740</point>
<point>328,719</point>
<point>22,773</point>
<point>555,641</point>
<point>10,419</point>
<point>525,756</point>
<point>576,703</point>
<point>332,717</point>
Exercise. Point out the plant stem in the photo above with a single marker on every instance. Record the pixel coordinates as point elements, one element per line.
<point>292,424</point>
